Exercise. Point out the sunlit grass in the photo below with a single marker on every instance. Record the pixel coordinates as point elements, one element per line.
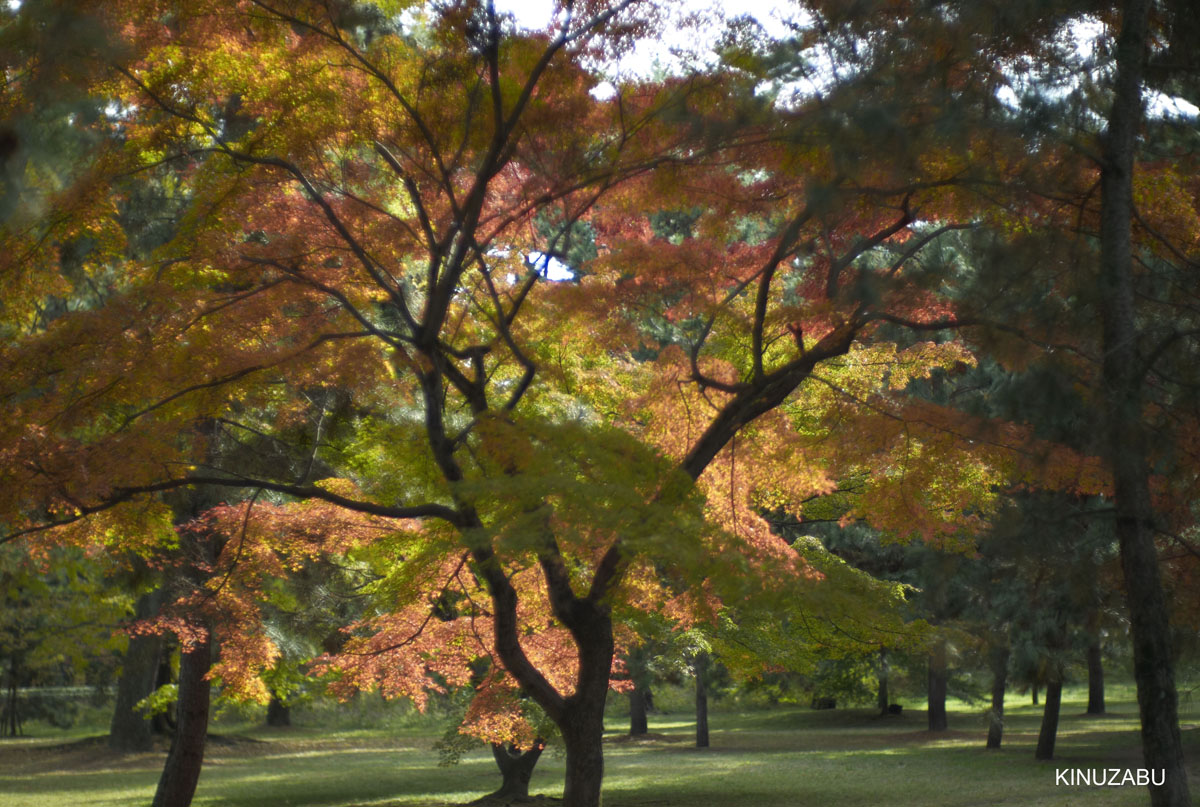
<point>767,758</point>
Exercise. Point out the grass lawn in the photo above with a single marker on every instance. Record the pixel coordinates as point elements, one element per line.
<point>786,756</point>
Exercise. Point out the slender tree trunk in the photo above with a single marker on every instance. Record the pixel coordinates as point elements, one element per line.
<point>1095,664</point>
<point>12,722</point>
<point>999,684</point>
<point>638,724</point>
<point>516,769</point>
<point>130,731</point>
<point>182,771</point>
<point>938,678</point>
<point>1033,692</point>
<point>1049,731</point>
<point>882,698</point>
<point>702,700</point>
<point>1123,375</point>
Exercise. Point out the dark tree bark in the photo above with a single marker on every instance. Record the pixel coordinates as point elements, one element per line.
<point>1033,693</point>
<point>130,731</point>
<point>585,754</point>
<point>702,700</point>
<point>1049,730</point>
<point>516,770</point>
<point>12,719</point>
<point>1123,377</point>
<point>1095,665</point>
<point>180,775</point>
<point>999,664</point>
<point>278,715</point>
<point>882,698</point>
<point>938,678</point>
<point>638,702</point>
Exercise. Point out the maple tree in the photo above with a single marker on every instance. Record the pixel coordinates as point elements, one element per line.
<point>362,188</point>
<point>443,191</point>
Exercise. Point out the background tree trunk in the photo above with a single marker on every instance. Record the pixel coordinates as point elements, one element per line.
<point>638,724</point>
<point>1123,376</point>
<point>182,771</point>
<point>129,730</point>
<point>1049,731</point>
<point>1095,665</point>
<point>702,700</point>
<point>999,683</point>
<point>163,723</point>
<point>278,715</point>
<point>938,678</point>
<point>12,720</point>
<point>882,698</point>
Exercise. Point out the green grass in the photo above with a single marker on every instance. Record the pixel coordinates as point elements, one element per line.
<point>783,756</point>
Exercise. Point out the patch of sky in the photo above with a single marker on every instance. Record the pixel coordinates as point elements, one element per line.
<point>688,33</point>
<point>549,267</point>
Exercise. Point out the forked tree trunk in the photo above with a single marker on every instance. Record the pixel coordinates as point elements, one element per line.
<point>938,678</point>
<point>181,773</point>
<point>702,700</point>
<point>1049,731</point>
<point>516,770</point>
<point>999,684</point>
<point>580,716</point>
<point>638,723</point>
<point>1123,375</point>
<point>129,730</point>
<point>1095,665</point>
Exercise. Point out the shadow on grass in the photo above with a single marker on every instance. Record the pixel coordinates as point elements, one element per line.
<point>778,758</point>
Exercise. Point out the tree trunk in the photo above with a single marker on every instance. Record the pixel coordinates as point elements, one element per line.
<point>638,724</point>
<point>12,721</point>
<point>882,698</point>
<point>999,682</point>
<point>1123,377</point>
<point>516,769</point>
<point>1049,732</point>
<point>585,754</point>
<point>580,716</point>
<point>130,731</point>
<point>278,715</point>
<point>1033,693</point>
<point>1095,664</point>
<point>177,784</point>
<point>702,700</point>
<point>938,677</point>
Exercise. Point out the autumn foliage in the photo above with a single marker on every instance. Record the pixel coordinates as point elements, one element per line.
<point>344,345</point>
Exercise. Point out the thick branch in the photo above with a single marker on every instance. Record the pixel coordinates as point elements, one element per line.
<point>121,495</point>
